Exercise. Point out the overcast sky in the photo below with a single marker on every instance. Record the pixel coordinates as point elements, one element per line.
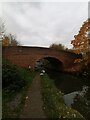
<point>44,23</point>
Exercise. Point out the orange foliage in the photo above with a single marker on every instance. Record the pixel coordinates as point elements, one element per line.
<point>6,41</point>
<point>82,40</point>
<point>9,41</point>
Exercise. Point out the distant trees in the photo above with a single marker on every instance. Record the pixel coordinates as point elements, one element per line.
<point>58,46</point>
<point>1,30</point>
<point>7,40</point>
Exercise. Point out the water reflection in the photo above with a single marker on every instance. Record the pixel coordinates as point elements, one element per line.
<point>70,98</point>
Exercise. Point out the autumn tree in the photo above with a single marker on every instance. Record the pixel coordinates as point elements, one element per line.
<point>81,42</point>
<point>1,30</point>
<point>9,40</point>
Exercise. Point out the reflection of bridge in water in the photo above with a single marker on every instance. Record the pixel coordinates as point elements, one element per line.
<point>28,56</point>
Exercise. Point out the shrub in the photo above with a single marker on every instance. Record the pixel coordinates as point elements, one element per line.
<point>11,78</point>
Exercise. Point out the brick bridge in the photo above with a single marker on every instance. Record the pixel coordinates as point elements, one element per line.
<point>25,56</point>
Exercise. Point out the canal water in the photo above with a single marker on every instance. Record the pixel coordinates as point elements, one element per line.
<point>76,90</point>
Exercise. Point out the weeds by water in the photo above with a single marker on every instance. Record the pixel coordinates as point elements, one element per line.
<point>54,105</point>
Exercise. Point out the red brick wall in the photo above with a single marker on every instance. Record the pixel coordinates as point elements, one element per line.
<point>25,56</point>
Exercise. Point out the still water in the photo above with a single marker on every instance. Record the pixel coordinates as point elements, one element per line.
<point>76,91</point>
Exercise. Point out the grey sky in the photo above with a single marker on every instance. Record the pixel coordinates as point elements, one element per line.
<point>44,23</point>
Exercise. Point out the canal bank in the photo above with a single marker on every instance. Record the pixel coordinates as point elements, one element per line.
<point>76,89</point>
<point>54,105</point>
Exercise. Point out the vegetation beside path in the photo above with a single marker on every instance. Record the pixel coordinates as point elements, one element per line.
<point>54,105</point>
<point>16,81</point>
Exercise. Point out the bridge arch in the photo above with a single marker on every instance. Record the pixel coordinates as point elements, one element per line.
<point>24,56</point>
<point>50,63</point>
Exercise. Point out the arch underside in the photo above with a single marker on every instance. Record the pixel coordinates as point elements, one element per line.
<point>50,63</point>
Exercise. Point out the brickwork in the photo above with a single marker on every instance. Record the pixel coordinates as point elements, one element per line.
<point>25,56</point>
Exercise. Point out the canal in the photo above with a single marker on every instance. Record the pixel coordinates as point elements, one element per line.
<point>76,89</point>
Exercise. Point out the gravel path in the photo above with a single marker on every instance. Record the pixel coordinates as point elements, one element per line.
<point>33,103</point>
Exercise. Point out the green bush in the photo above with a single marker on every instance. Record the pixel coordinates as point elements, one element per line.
<point>16,81</point>
<point>11,79</point>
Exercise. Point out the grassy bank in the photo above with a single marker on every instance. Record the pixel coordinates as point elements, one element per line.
<point>14,95</point>
<point>54,105</point>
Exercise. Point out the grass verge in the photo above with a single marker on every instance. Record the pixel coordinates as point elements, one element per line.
<point>54,105</point>
<point>13,101</point>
